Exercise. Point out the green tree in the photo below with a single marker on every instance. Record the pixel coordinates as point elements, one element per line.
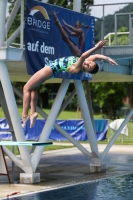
<point>69,4</point>
<point>122,21</point>
<point>109,97</point>
<point>122,39</point>
<point>16,22</point>
<point>129,91</point>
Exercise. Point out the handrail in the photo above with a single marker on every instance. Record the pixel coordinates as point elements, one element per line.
<point>113,33</point>
<point>111,4</point>
<point>115,14</point>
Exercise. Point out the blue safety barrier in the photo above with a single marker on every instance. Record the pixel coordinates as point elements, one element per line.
<point>75,128</point>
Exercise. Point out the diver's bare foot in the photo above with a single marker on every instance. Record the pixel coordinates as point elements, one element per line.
<point>33,119</point>
<point>25,118</point>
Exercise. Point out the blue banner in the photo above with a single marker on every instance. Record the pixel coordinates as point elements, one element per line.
<point>53,32</point>
<point>75,128</point>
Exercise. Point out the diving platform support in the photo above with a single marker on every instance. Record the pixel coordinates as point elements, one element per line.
<point>7,100</point>
<point>25,163</point>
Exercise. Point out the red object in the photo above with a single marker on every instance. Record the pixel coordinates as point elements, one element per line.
<point>13,193</point>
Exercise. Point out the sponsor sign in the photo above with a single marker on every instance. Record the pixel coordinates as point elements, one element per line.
<point>52,32</point>
<point>75,128</point>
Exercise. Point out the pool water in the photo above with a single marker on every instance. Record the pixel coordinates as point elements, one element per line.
<point>118,188</point>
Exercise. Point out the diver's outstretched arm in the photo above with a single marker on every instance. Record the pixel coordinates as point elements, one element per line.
<point>86,54</point>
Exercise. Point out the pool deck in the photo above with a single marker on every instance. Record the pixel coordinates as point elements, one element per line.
<point>69,166</point>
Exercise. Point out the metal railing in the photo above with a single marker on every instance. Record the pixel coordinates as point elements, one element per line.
<point>111,40</point>
<point>20,29</point>
<point>102,19</point>
<point>130,26</point>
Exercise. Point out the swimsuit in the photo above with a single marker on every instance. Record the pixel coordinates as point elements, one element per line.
<point>62,64</point>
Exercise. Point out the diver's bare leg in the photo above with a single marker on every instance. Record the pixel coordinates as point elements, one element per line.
<point>73,48</point>
<point>33,104</point>
<point>36,80</point>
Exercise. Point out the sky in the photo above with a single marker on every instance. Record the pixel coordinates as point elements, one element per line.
<point>97,11</point>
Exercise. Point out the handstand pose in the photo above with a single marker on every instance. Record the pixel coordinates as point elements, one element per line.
<point>72,31</point>
<point>72,46</point>
<point>74,65</point>
<point>77,32</point>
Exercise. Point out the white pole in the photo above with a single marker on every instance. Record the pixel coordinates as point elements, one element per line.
<point>58,128</point>
<point>64,105</point>
<point>83,104</point>
<point>13,36</point>
<point>16,160</point>
<point>13,14</point>
<point>44,1</point>
<point>87,119</point>
<point>50,121</point>
<point>3,4</point>
<point>22,24</point>
<point>89,101</point>
<point>109,40</point>
<point>12,107</point>
<point>116,134</point>
<point>77,5</point>
<point>8,92</point>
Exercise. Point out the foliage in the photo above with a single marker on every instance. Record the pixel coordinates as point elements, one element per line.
<point>69,4</point>
<point>64,115</point>
<point>123,29</point>
<point>122,21</point>
<point>108,96</point>
<point>122,39</point>
<point>16,22</point>
<point>129,90</point>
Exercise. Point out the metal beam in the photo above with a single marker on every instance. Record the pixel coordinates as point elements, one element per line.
<point>58,128</point>
<point>50,121</point>
<point>3,5</point>
<point>87,121</point>
<point>77,5</point>
<point>112,141</point>
<point>12,15</point>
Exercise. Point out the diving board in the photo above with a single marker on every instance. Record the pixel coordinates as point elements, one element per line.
<point>3,165</point>
<point>25,143</point>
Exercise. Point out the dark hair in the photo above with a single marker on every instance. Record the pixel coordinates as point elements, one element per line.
<point>81,24</point>
<point>95,70</point>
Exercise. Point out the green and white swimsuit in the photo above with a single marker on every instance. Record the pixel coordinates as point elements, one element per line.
<point>62,64</point>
